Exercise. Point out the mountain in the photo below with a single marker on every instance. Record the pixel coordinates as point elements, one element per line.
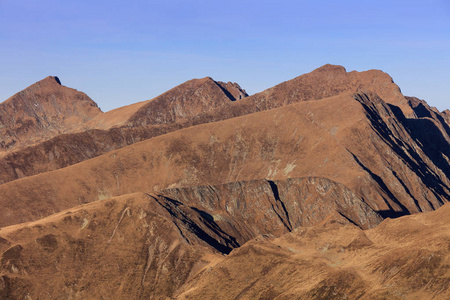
<point>365,147</point>
<point>42,111</point>
<point>278,194</point>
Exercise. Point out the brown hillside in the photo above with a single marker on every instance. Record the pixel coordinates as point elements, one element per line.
<point>365,147</point>
<point>148,246</point>
<point>113,118</point>
<point>186,100</point>
<point>332,80</point>
<point>125,247</point>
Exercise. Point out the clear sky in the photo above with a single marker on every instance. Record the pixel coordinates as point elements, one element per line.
<point>121,52</point>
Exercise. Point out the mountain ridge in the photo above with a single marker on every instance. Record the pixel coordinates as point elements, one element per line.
<point>119,130</point>
<point>208,153</point>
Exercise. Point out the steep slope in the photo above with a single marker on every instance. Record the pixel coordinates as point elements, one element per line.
<point>246,209</point>
<point>42,111</point>
<point>365,147</point>
<point>406,258</point>
<point>413,157</point>
<point>233,90</point>
<point>433,129</point>
<point>446,115</point>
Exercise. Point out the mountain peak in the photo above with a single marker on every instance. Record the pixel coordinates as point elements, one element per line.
<point>43,109</point>
<point>331,68</point>
<point>331,80</point>
<point>186,100</point>
<point>47,81</point>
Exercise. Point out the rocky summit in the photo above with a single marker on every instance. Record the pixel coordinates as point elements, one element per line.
<point>42,111</point>
<point>332,185</point>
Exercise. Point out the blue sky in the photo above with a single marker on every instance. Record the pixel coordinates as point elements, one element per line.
<point>121,52</point>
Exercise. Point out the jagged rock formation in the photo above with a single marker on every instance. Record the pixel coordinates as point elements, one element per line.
<point>248,209</point>
<point>42,111</point>
<point>233,90</point>
<point>406,258</point>
<point>446,115</point>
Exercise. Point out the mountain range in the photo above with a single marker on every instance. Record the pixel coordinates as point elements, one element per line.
<point>332,185</point>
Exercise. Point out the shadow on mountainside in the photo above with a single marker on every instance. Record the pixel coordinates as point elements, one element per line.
<point>422,131</point>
